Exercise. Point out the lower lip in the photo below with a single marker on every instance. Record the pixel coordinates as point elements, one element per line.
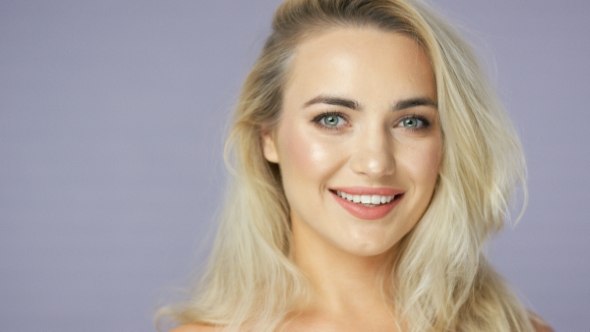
<point>366,212</point>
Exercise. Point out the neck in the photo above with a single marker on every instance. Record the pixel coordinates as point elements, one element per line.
<point>342,282</point>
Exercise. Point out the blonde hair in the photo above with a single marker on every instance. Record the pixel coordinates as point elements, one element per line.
<point>442,281</point>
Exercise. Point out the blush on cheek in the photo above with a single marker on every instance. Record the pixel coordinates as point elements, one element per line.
<point>436,154</point>
<point>305,154</point>
<point>432,158</point>
<point>422,160</point>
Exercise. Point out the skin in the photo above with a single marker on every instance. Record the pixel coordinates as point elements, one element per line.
<point>373,144</point>
<point>367,145</point>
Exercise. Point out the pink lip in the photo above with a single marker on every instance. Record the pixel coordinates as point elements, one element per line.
<point>366,212</point>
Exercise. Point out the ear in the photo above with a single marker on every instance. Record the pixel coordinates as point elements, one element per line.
<point>269,148</point>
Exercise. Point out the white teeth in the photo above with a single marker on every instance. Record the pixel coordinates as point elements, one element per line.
<point>366,199</point>
<point>375,199</point>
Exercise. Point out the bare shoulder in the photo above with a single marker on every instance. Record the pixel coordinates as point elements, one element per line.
<point>195,328</point>
<point>539,324</point>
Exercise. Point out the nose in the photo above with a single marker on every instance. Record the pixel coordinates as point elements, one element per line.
<point>373,154</point>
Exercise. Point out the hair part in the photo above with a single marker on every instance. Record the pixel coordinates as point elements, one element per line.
<point>442,281</point>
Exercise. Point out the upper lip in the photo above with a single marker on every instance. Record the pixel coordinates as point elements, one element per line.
<point>368,191</point>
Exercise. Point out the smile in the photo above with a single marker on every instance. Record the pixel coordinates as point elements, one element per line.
<point>366,200</point>
<point>367,203</point>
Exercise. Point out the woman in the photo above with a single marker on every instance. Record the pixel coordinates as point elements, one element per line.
<point>371,163</point>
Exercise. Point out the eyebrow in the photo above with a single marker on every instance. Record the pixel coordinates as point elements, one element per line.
<point>414,102</point>
<point>336,101</point>
<point>356,106</point>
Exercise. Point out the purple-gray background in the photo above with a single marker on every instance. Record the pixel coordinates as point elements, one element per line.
<point>112,116</point>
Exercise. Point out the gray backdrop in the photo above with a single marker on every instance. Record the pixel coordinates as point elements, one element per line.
<point>112,116</point>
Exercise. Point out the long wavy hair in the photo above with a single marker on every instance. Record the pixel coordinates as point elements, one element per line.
<point>441,279</point>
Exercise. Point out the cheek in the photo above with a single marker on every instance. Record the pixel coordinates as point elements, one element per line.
<point>422,161</point>
<point>303,155</point>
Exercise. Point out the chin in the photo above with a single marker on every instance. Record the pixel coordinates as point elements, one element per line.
<point>368,248</point>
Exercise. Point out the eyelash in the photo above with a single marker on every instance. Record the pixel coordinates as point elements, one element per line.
<point>425,122</point>
<point>318,121</point>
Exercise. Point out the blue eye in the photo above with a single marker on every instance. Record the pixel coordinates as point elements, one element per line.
<point>414,122</point>
<point>330,120</point>
<point>411,122</point>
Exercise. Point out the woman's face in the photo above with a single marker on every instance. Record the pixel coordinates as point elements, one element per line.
<point>359,142</point>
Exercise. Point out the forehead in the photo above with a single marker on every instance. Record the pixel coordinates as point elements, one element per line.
<point>352,37</point>
<point>360,61</point>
